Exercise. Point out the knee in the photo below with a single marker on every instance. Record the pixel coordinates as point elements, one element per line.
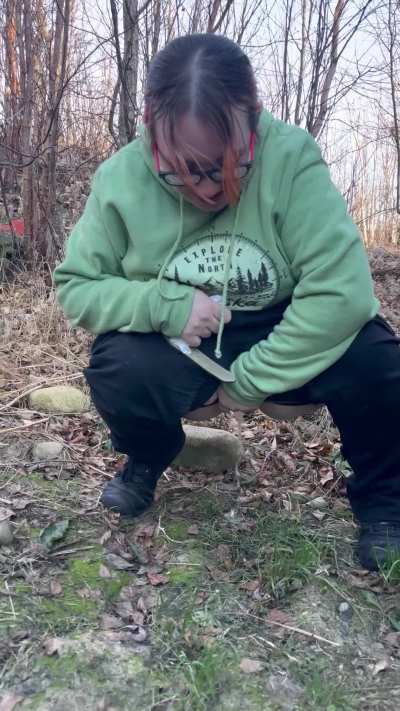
<point>121,367</point>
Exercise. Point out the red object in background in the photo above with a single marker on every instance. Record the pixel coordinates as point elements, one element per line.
<point>18,226</point>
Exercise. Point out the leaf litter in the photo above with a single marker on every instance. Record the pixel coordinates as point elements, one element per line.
<point>287,465</point>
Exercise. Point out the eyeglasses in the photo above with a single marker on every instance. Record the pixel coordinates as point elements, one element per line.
<point>195,177</point>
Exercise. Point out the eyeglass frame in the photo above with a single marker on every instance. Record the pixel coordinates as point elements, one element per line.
<point>202,174</point>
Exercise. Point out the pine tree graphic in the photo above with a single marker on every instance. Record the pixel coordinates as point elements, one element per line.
<point>263,276</point>
<point>240,281</point>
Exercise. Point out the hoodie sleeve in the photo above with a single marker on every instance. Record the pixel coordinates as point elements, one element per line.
<point>333,297</point>
<point>95,294</point>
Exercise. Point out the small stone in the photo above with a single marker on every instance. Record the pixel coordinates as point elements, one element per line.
<point>6,534</point>
<point>210,449</point>
<point>45,449</point>
<point>64,399</point>
<point>345,611</point>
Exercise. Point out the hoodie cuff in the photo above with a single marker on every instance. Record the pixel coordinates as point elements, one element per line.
<point>235,392</point>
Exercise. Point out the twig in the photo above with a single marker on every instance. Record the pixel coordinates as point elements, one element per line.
<point>312,635</point>
<point>21,427</point>
<point>10,600</point>
<point>268,642</point>
<point>72,550</point>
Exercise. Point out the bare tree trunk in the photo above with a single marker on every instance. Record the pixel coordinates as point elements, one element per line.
<point>12,94</point>
<point>393,40</point>
<point>300,82</point>
<point>128,109</point>
<point>27,68</point>
<point>318,122</point>
<point>48,237</point>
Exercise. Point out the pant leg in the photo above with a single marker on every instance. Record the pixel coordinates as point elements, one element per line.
<point>141,387</point>
<point>362,392</point>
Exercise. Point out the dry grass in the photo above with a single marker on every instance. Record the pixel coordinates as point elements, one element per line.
<point>265,566</point>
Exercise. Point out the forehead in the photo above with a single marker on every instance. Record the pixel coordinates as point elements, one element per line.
<point>198,139</point>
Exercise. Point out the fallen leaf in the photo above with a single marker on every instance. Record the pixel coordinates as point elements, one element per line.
<point>84,593</point>
<point>193,530</point>
<point>104,572</point>
<point>52,646</point>
<point>5,514</point>
<point>147,603</point>
<point>138,553</point>
<point>144,530</point>
<point>223,552</point>
<point>393,639</point>
<point>326,475</point>
<point>9,701</point>
<point>251,666</point>
<point>115,561</point>
<point>250,585</point>
<point>138,618</point>
<point>21,504</point>
<point>105,537</point>
<point>157,579</point>
<point>317,503</point>
<point>319,515</point>
<point>110,622</point>
<point>381,665</point>
<point>219,575</point>
<point>137,633</point>
<point>280,616</point>
<point>247,434</point>
<point>55,587</point>
<point>128,592</point>
<point>124,609</point>
<point>53,533</point>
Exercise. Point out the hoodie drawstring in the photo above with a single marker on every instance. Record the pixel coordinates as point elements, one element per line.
<point>227,268</point>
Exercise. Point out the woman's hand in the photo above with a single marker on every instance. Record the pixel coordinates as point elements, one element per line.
<point>227,403</point>
<point>204,319</point>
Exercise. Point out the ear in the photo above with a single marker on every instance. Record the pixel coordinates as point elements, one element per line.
<point>259,107</point>
<point>146,115</point>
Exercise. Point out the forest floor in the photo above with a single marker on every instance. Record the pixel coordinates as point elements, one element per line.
<point>232,593</point>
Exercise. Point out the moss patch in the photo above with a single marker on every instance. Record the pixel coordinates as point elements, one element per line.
<point>86,572</point>
<point>177,529</point>
<point>186,567</point>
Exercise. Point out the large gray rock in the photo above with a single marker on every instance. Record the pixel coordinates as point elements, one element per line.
<point>63,399</point>
<point>45,449</point>
<point>210,449</point>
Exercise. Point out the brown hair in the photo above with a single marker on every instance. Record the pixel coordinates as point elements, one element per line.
<point>208,75</point>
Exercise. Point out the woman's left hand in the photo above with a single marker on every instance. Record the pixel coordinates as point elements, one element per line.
<point>227,403</point>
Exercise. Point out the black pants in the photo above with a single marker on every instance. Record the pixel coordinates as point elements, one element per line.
<point>142,386</point>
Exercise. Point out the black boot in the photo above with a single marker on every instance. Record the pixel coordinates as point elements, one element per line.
<point>131,492</point>
<point>379,543</point>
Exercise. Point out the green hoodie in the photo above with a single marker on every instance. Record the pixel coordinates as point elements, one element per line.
<point>138,251</point>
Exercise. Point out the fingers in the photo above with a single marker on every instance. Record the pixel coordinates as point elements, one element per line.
<point>227,315</point>
<point>192,341</point>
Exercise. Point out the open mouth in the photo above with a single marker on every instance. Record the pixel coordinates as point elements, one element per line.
<point>213,200</point>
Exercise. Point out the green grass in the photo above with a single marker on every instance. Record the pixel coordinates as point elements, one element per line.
<point>321,692</point>
<point>202,678</point>
<point>277,549</point>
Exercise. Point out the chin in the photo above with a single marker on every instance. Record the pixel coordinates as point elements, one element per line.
<point>207,207</point>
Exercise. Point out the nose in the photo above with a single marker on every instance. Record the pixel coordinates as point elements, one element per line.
<point>207,189</point>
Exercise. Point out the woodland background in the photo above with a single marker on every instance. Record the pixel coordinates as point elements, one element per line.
<point>71,92</point>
